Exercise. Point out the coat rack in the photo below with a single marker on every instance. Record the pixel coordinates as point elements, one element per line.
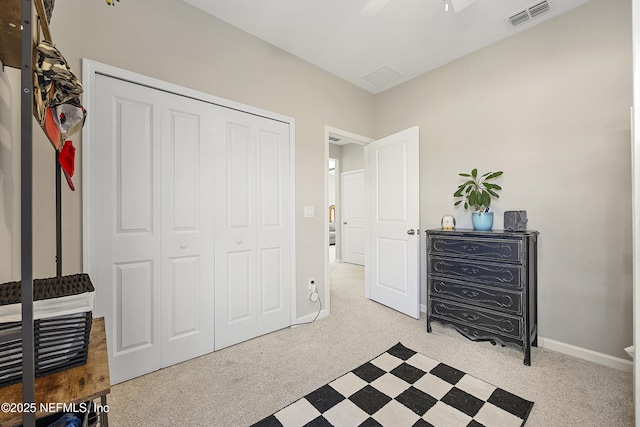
<point>26,183</point>
<point>17,23</point>
<point>54,88</point>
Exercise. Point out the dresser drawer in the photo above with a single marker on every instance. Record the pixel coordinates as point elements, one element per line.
<point>487,320</point>
<point>489,249</point>
<point>491,298</point>
<point>477,334</point>
<point>502,275</point>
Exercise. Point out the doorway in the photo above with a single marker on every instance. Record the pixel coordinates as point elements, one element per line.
<point>391,215</point>
<point>344,154</point>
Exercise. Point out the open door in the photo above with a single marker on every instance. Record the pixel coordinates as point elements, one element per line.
<point>392,275</point>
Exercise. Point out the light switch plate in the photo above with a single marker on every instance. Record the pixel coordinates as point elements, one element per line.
<point>309,212</point>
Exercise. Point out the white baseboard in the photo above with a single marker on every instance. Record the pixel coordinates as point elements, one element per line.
<point>579,352</point>
<point>583,353</point>
<point>300,321</point>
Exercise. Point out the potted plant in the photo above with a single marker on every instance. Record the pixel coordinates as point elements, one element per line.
<point>477,193</point>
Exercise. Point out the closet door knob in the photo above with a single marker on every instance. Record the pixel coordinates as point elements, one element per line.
<point>239,241</point>
<point>184,246</point>
<point>411,231</point>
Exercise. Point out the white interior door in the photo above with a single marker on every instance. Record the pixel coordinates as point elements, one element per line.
<point>252,249</point>
<point>152,222</point>
<point>187,230</point>
<point>354,225</point>
<point>392,273</point>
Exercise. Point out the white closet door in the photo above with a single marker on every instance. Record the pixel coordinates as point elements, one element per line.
<point>187,222</point>
<point>128,239</point>
<point>153,233</point>
<point>252,292</point>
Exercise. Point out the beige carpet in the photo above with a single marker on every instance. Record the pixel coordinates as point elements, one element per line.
<point>242,384</point>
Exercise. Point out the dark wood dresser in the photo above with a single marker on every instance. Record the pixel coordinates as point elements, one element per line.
<point>483,283</point>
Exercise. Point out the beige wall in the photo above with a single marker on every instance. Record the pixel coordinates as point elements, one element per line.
<point>550,107</point>
<point>10,175</point>
<point>352,157</point>
<point>172,41</point>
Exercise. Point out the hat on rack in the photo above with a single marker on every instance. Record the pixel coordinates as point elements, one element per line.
<point>66,159</point>
<point>69,117</point>
<point>55,82</point>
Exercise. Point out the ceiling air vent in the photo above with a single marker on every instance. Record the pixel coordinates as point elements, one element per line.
<point>518,18</point>
<point>539,8</point>
<point>531,12</point>
<point>382,76</point>
<point>333,138</point>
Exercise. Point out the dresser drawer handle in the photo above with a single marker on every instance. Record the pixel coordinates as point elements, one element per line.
<point>471,294</point>
<point>472,317</point>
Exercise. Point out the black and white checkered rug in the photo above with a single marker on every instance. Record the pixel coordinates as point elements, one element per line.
<point>404,388</point>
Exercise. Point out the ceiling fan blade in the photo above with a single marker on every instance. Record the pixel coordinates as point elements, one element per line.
<point>373,7</point>
<point>459,5</point>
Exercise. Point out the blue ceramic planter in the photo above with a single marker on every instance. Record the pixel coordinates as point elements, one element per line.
<point>482,221</point>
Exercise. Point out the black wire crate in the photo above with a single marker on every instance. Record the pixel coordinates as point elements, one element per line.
<point>62,324</point>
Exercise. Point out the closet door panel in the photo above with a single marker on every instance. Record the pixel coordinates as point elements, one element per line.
<point>235,315</point>
<point>252,230</point>
<point>187,246</point>
<point>274,310</point>
<point>128,231</point>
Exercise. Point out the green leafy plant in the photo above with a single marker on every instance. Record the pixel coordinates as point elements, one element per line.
<point>476,191</point>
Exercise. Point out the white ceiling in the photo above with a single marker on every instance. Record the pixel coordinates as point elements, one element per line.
<point>404,39</point>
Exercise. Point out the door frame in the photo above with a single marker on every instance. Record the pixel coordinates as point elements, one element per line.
<point>635,154</point>
<point>92,68</point>
<point>353,138</point>
<point>338,214</point>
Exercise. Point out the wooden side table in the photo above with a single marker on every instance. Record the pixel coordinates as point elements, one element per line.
<point>72,386</point>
